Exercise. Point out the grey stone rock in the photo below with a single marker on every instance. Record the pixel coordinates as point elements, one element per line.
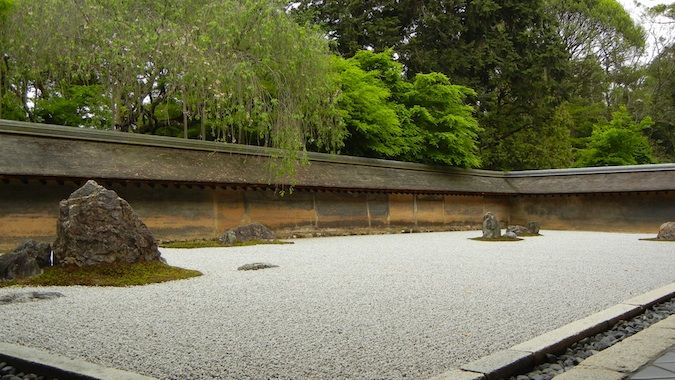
<point>517,229</point>
<point>18,265</point>
<point>8,370</point>
<point>491,228</point>
<point>257,266</point>
<point>510,234</point>
<point>533,227</point>
<point>26,260</point>
<point>28,297</point>
<point>96,226</point>
<point>41,252</point>
<point>667,231</point>
<point>253,231</point>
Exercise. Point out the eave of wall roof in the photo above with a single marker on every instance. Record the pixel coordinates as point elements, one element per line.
<point>39,150</point>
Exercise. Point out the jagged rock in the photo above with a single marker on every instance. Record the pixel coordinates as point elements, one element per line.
<point>41,252</point>
<point>253,231</point>
<point>667,231</point>
<point>517,230</point>
<point>28,297</point>
<point>26,260</point>
<point>533,227</point>
<point>16,265</point>
<point>491,228</point>
<point>96,226</point>
<point>257,266</point>
<point>510,235</point>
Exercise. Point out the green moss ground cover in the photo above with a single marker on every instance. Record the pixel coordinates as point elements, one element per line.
<point>501,238</point>
<point>217,243</point>
<point>106,275</point>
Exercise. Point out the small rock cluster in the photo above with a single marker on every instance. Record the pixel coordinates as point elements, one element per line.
<point>575,354</point>
<point>532,228</point>
<point>253,231</point>
<point>492,229</point>
<point>9,372</point>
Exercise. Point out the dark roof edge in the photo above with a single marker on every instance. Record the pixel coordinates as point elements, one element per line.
<point>74,133</point>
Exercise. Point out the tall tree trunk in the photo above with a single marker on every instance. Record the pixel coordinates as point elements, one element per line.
<point>203,123</point>
<point>185,118</point>
<point>115,100</point>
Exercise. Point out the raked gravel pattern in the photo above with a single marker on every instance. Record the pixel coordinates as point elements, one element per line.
<point>360,307</point>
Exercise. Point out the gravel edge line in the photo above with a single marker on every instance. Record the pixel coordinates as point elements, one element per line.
<point>50,365</point>
<point>521,357</point>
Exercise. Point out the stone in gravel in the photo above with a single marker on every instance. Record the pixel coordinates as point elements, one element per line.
<point>96,226</point>
<point>257,266</point>
<point>517,230</point>
<point>667,231</point>
<point>253,231</point>
<point>28,297</point>
<point>510,235</point>
<point>491,228</point>
<point>533,227</point>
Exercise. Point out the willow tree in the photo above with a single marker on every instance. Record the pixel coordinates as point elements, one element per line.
<point>244,68</point>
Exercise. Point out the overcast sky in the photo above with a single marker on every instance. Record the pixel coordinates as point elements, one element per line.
<point>665,31</point>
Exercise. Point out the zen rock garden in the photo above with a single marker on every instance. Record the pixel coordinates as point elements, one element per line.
<point>95,228</point>
<point>98,228</point>
<point>323,283</point>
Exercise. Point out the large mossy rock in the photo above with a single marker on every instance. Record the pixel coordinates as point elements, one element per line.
<point>96,226</point>
<point>491,227</point>
<point>666,231</point>
<point>26,260</point>
<point>253,231</point>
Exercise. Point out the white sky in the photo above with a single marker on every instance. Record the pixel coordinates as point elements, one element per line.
<point>667,31</point>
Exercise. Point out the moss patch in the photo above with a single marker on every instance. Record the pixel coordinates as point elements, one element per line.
<point>529,234</point>
<point>501,238</point>
<point>106,275</point>
<point>217,243</point>
<point>661,240</point>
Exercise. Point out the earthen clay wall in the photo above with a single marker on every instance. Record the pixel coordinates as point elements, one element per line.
<point>187,190</point>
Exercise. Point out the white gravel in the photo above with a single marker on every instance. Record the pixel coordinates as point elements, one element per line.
<point>361,307</point>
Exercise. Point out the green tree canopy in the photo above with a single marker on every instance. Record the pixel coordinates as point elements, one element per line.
<point>619,142</point>
<point>427,120</point>
<point>508,51</point>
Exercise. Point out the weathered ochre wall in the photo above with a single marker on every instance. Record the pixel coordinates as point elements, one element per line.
<point>29,209</point>
<point>620,212</point>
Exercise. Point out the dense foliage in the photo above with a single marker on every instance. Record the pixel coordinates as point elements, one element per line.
<point>423,120</point>
<point>242,71</point>
<point>545,71</point>
<point>502,84</point>
<point>619,142</point>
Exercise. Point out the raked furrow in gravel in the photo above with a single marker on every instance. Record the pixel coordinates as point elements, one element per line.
<point>361,307</point>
